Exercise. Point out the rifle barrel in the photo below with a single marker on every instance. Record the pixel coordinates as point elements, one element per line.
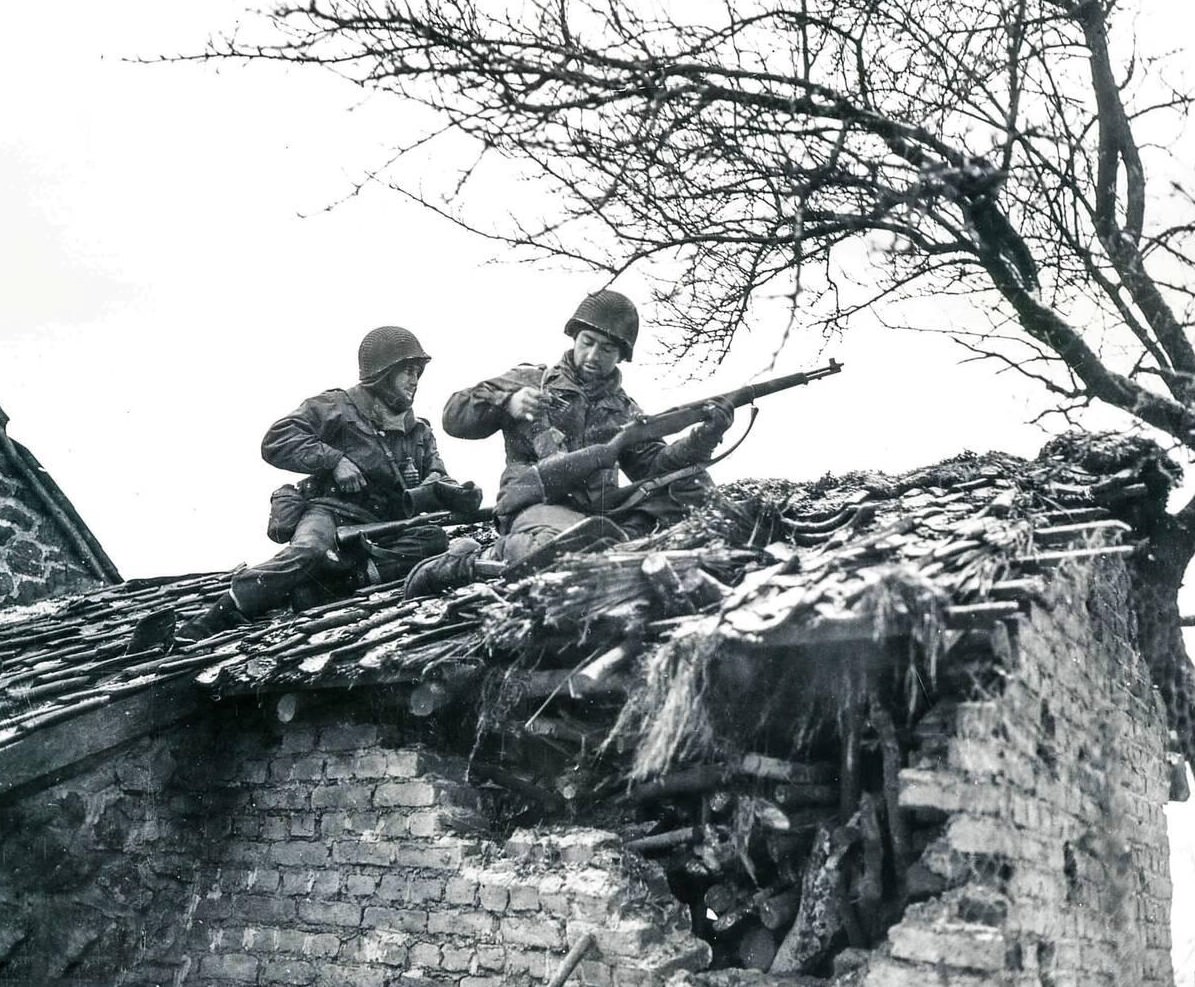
<point>749,392</point>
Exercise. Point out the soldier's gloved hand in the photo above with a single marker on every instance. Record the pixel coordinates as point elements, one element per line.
<point>719,417</point>
<point>527,404</point>
<point>347,476</point>
<point>460,498</point>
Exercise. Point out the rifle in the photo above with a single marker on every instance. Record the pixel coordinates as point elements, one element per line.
<point>563,471</point>
<point>350,535</point>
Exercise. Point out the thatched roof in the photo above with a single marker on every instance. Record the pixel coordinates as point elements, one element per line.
<point>766,564</point>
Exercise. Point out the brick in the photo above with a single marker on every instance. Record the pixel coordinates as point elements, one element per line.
<point>537,963</point>
<point>335,823</point>
<point>402,919</point>
<point>360,885</point>
<point>411,794</point>
<point>425,889</point>
<point>964,946</point>
<point>438,856</point>
<point>319,883</point>
<point>425,954</point>
<point>297,767</point>
<point>344,797</point>
<point>456,959</point>
<point>372,854</point>
<point>460,891</point>
<point>295,854</point>
<point>493,893</point>
<point>265,910</point>
<point>338,913</point>
<point>302,825</point>
<point>275,828</point>
<point>445,822</point>
<point>229,966</point>
<point>293,973</point>
<point>620,936</point>
<point>371,765</point>
<point>478,925</point>
<point>378,946</point>
<point>595,974</point>
<point>524,898</point>
<point>546,933</point>
<point>491,957</point>
<point>262,880</point>
<point>291,797</point>
<point>340,974</point>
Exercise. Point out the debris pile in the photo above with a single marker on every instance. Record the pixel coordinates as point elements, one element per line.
<point>735,695</point>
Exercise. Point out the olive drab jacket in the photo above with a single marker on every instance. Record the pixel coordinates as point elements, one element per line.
<point>395,451</point>
<point>581,414</point>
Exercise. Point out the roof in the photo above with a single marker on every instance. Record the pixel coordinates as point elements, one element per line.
<point>766,564</point>
<point>21,464</point>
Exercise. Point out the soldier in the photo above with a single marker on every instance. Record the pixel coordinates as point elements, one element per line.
<point>576,404</point>
<point>367,458</point>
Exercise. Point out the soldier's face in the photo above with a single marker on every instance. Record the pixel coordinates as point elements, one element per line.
<point>595,354</point>
<point>398,387</point>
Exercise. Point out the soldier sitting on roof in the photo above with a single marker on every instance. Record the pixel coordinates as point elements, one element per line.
<point>367,459</point>
<point>576,404</point>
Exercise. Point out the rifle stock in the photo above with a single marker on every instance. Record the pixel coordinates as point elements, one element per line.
<point>563,469</point>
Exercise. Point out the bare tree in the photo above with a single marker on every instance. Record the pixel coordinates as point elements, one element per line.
<point>845,154</point>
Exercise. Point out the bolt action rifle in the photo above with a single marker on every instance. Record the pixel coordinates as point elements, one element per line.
<point>556,475</point>
<point>351,535</point>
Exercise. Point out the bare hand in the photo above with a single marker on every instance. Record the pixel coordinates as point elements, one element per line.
<point>527,404</point>
<point>347,477</point>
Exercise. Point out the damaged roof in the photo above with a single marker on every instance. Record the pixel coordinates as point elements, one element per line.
<point>766,563</point>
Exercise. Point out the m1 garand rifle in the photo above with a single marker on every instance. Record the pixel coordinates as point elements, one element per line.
<point>557,474</point>
<point>349,536</point>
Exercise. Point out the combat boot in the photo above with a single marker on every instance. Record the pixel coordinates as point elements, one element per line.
<point>220,616</point>
<point>453,568</point>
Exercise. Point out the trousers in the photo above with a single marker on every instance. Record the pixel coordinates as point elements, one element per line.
<point>312,564</point>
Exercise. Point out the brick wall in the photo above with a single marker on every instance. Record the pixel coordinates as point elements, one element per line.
<point>337,849</point>
<point>243,852</point>
<point>1050,795</point>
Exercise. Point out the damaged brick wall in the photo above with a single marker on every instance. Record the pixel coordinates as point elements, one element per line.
<point>239,851</point>
<point>1053,857</point>
<point>97,872</point>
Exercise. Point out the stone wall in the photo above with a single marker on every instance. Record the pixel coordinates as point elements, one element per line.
<point>36,558</point>
<point>1053,851</point>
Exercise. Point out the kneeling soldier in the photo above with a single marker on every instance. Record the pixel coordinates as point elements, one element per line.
<point>575,405</point>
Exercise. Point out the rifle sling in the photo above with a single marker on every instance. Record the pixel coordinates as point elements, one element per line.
<point>642,489</point>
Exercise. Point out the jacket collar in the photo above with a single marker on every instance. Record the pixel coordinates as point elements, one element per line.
<point>374,411</point>
<point>565,376</point>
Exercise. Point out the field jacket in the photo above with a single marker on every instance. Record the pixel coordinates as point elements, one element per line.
<point>395,452</point>
<point>581,414</point>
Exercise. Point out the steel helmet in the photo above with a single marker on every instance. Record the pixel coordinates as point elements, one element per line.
<point>610,313</point>
<point>385,346</point>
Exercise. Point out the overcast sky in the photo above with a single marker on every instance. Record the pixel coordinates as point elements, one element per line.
<point>172,280</point>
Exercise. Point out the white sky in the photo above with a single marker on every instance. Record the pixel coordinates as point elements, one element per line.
<point>162,300</point>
